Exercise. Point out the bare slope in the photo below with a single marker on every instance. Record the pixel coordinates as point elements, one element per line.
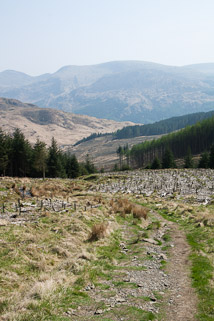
<point>67,128</point>
<point>103,150</point>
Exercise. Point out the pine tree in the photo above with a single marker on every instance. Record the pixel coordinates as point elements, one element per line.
<point>168,159</point>
<point>40,158</point>
<point>72,167</point>
<point>55,168</point>
<point>156,163</point>
<point>4,152</point>
<point>89,166</point>
<point>21,154</point>
<point>211,157</point>
<point>188,159</point>
<point>204,160</point>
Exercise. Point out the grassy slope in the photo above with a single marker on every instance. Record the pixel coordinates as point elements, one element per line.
<point>46,262</point>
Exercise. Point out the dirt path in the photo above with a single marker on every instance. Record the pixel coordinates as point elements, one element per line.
<point>150,282</point>
<point>181,299</point>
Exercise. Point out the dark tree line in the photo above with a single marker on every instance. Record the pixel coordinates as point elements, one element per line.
<point>163,126</point>
<point>194,139</point>
<point>19,158</point>
<point>92,136</point>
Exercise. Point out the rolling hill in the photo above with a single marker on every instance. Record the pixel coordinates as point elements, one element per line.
<point>45,123</point>
<point>141,92</point>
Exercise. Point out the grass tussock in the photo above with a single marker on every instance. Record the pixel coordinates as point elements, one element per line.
<point>140,212</point>
<point>98,232</point>
<point>124,206</point>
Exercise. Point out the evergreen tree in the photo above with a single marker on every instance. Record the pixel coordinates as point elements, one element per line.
<point>89,166</point>
<point>115,168</point>
<point>21,154</point>
<point>204,160</point>
<point>188,159</point>
<point>40,158</point>
<point>72,167</point>
<point>156,164</point>
<point>168,159</point>
<point>211,157</point>
<point>4,152</point>
<point>55,168</point>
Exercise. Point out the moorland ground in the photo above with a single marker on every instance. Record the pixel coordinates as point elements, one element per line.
<point>120,246</point>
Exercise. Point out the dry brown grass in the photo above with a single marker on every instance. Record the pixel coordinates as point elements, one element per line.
<point>139,212</point>
<point>98,231</point>
<point>124,206</point>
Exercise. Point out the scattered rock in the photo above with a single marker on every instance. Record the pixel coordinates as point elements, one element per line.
<point>151,241</point>
<point>163,257</point>
<point>99,311</point>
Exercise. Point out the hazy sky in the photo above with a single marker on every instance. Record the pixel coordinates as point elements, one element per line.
<point>39,36</point>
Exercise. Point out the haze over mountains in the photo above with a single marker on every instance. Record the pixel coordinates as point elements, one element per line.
<point>141,92</point>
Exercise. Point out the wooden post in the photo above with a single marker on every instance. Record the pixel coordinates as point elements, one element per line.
<point>19,204</point>
<point>41,204</point>
<point>3,208</point>
<point>75,206</point>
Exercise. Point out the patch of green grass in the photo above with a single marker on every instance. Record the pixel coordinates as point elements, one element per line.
<point>166,237</point>
<point>144,298</point>
<point>3,305</point>
<point>163,264</point>
<point>79,283</point>
<point>165,248</point>
<point>123,284</point>
<point>202,274</point>
<point>103,286</point>
<point>196,237</point>
<point>132,313</point>
<point>158,241</point>
<point>154,225</point>
<point>131,268</point>
<point>157,295</point>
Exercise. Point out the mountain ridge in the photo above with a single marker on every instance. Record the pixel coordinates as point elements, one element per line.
<point>139,91</point>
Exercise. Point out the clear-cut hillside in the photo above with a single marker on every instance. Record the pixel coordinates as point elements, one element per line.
<point>45,123</point>
<point>141,92</point>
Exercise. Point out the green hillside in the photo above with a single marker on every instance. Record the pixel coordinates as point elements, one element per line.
<point>196,138</point>
<point>162,127</point>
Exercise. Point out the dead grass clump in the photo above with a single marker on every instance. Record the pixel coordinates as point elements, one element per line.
<point>139,211</point>
<point>34,191</point>
<point>98,199</point>
<point>17,191</point>
<point>46,214</point>
<point>98,231</point>
<point>111,202</point>
<point>60,252</point>
<point>122,206</point>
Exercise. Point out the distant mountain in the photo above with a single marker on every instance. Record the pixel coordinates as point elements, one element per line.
<point>45,123</point>
<point>141,92</point>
